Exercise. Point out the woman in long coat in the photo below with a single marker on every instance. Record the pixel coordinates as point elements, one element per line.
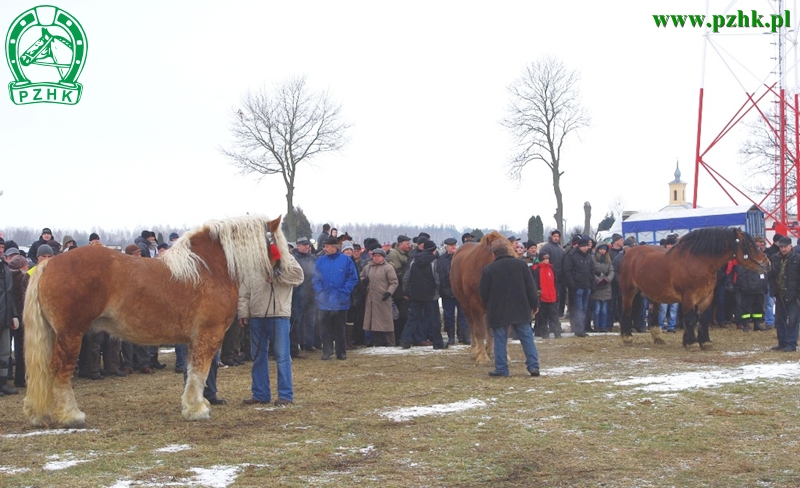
<point>380,281</point>
<point>603,271</point>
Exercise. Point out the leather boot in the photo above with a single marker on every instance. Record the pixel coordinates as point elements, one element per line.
<point>451,339</point>
<point>7,390</point>
<point>758,326</point>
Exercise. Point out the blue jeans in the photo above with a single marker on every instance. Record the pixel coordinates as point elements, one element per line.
<point>181,351</point>
<point>525,334</point>
<point>263,331</point>
<point>581,304</point>
<point>673,315</point>
<point>769,310</point>
<point>601,321</point>
<point>786,314</point>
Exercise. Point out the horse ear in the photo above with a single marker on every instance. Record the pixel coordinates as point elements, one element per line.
<point>274,225</point>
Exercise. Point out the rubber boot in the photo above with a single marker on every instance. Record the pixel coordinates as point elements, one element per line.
<point>348,333</point>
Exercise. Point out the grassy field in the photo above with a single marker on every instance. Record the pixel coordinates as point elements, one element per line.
<point>601,414</point>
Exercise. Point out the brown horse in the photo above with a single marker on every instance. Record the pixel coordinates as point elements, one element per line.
<point>187,296</point>
<point>465,275</point>
<point>685,274</point>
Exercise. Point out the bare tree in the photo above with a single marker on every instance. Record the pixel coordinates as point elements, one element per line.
<point>760,154</point>
<point>544,109</point>
<point>276,130</point>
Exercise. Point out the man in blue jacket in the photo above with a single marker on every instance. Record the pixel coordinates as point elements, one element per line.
<point>334,280</point>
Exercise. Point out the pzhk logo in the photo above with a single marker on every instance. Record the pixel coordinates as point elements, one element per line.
<point>46,50</point>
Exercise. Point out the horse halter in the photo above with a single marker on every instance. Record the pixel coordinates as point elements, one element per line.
<point>745,255</point>
<point>274,253</point>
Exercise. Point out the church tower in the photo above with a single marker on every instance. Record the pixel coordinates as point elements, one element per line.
<point>677,190</point>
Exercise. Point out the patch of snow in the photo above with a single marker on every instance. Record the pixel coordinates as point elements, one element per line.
<point>49,432</point>
<point>561,370</point>
<point>408,413</point>
<point>414,351</point>
<point>174,448</point>
<point>714,377</point>
<point>10,470</point>
<point>58,465</point>
<point>215,477</point>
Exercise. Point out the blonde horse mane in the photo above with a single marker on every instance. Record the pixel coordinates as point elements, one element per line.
<point>244,241</point>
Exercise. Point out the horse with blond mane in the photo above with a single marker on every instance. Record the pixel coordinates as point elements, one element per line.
<point>189,295</point>
<point>465,275</point>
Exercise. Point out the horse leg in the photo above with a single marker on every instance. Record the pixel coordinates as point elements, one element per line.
<point>485,342</point>
<point>705,320</point>
<point>655,325</point>
<point>201,352</point>
<point>65,355</point>
<point>689,321</point>
<point>629,309</point>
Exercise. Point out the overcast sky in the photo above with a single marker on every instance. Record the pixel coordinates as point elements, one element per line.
<point>423,83</point>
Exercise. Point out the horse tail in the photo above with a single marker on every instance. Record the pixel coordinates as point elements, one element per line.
<point>39,342</point>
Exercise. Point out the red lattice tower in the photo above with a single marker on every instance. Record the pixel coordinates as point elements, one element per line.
<point>769,97</point>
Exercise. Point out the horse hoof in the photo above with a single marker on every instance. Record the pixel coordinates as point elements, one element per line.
<point>706,346</point>
<point>627,340</point>
<point>78,424</point>
<point>659,341</point>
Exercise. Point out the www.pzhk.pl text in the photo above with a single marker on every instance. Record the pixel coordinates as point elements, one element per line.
<point>739,19</point>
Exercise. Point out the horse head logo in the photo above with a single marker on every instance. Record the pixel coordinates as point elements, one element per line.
<point>46,51</point>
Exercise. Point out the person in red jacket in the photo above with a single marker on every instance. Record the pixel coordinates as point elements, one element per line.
<point>547,319</point>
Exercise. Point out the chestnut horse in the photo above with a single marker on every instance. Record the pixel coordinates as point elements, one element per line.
<point>685,274</point>
<point>465,275</point>
<point>189,295</point>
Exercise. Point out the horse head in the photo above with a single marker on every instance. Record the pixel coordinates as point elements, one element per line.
<point>273,227</point>
<point>747,253</point>
<point>492,236</point>
<point>342,238</point>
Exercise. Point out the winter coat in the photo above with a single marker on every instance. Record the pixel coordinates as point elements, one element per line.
<point>399,261</point>
<point>603,271</point>
<point>334,279</point>
<point>20,286</point>
<point>305,290</point>
<point>8,310</point>
<point>557,254</point>
<point>421,281</point>
<point>378,312</point>
<point>443,267</point>
<point>749,281</point>
<point>616,263</point>
<point>35,247</point>
<point>578,270</point>
<point>508,290</point>
<point>545,278</point>
<point>144,246</point>
<point>265,299</point>
<point>791,273</point>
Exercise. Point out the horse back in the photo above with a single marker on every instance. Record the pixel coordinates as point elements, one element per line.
<point>133,298</point>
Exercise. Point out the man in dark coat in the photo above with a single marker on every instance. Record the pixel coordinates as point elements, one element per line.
<point>450,305</point>
<point>45,238</point>
<point>785,286</point>
<point>9,319</point>
<point>578,275</point>
<point>511,299</point>
<point>421,287</point>
<point>304,306</point>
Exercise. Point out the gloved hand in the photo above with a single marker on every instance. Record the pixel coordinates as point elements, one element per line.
<point>365,280</point>
<point>385,296</point>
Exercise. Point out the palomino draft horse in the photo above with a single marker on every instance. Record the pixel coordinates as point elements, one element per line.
<point>465,275</point>
<point>187,296</point>
<point>685,274</point>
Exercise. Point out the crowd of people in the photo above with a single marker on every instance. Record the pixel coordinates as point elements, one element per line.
<point>346,294</point>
